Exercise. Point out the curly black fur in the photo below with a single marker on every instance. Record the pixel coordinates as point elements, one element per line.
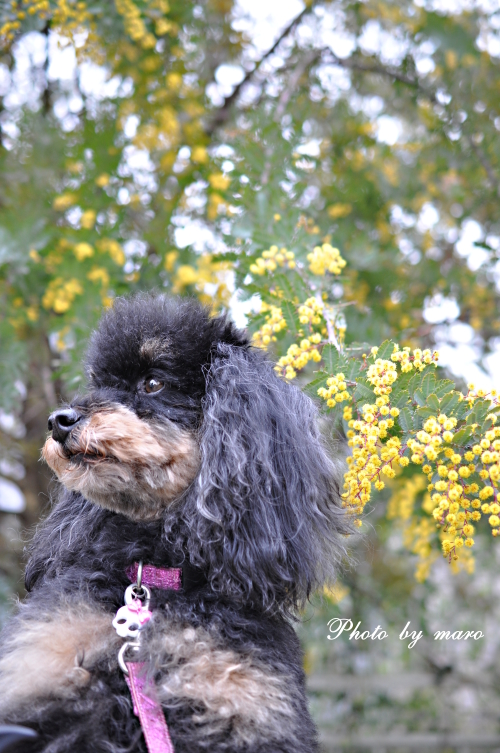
<point>257,530</point>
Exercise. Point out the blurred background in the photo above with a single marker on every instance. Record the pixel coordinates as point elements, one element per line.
<point>154,145</point>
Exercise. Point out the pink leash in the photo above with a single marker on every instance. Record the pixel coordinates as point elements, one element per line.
<point>128,622</point>
<point>149,711</point>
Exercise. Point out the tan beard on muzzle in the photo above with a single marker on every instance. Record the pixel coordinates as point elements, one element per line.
<point>125,464</point>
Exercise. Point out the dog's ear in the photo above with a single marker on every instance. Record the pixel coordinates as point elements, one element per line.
<point>268,513</point>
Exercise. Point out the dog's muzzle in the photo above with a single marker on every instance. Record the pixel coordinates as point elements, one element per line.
<point>120,461</point>
<point>61,422</point>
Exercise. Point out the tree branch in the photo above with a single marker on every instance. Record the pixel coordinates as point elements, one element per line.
<point>222,115</point>
<point>47,91</point>
<point>393,73</point>
<point>415,83</point>
<point>285,96</point>
<point>289,89</point>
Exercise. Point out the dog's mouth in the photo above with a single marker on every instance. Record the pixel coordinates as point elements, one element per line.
<point>91,457</point>
<point>65,458</point>
<point>74,452</point>
<point>86,456</point>
<point>113,457</point>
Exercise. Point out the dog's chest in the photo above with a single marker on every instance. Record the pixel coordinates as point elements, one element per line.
<point>60,653</point>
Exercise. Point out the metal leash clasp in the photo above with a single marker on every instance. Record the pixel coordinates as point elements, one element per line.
<point>132,617</point>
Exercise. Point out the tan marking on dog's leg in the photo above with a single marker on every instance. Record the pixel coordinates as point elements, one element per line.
<point>231,687</point>
<point>52,654</point>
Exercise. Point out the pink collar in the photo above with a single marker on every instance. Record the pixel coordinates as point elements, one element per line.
<point>157,577</point>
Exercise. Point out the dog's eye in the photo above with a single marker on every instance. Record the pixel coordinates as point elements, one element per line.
<point>153,385</point>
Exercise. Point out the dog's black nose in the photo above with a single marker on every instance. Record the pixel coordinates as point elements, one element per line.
<point>61,422</point>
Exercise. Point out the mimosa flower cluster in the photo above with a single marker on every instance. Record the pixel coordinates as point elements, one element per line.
<point>66,17</point>
<point>272,259</point>
<point>397,416</point>
<point>325,258</point>
<point>313,332</point>
<point>419,360</point>
<point>275,323</point>
<point>335,391</point>
<point>419,531</point>
<point>60,294</point>
<point>299,354</point>
<point>311,311</point>
<point>467,485</point>
<point>372,458</point>
<point>310,314</point>
<point>463,481</point>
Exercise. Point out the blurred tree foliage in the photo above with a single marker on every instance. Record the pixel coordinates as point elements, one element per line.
<point>129,163</point>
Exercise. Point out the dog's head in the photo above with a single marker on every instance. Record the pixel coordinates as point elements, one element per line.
<point>131,443</point>
<point>186,423</point>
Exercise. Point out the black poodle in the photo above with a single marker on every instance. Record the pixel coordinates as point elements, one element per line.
<point>189,454</point>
